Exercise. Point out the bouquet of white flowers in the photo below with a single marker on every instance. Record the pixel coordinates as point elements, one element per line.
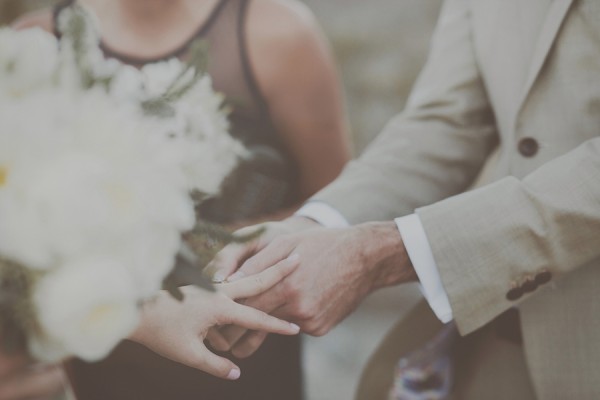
<point>97,163</point>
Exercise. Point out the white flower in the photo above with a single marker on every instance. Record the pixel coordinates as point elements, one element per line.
<point>203,108</point>
<point>81,29</point>
<point>89,29</point>
<point>85,309</point>
<point>149,257</point>
<point>84,176</point>
<point>210,161</point>
<point>158,77</point>
<point>126,84</point>
<point>94,194</point>
<point>213,152</point>
<point>28,59</point>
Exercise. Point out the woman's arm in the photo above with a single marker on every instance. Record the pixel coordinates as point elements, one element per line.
<point>295,71</point>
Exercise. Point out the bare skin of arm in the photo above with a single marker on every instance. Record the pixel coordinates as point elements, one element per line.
<point>296,74</point>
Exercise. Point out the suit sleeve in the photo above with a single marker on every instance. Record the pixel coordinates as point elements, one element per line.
<point>497,245</point>
<point>437,146</point>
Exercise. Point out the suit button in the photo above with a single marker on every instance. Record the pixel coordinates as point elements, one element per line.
<point>514,294</point>
<point>543,277</point>
<point>528,147</point>
<point>529,285</point>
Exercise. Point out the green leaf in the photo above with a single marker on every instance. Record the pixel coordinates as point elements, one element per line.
<point>174,291</point>
<point>187,271</point>
<point>158,107</point>
<point>17,313</point>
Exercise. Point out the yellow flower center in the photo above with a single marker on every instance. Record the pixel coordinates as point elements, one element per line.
<point>121,196</point>
<point>98,316</point>
<point>3,175</point>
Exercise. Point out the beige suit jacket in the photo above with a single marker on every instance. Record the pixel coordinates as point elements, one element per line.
<point>523,75</point>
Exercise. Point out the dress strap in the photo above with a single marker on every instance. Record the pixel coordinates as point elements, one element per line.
<point>248,72</point>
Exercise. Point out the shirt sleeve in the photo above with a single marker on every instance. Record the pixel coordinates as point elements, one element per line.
<point>324,214</point>
<point>420,254</point>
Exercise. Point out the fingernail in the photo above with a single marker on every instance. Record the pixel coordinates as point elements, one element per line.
<point>218,277</point>
<point>234,374</point>
<point>294,257</point>
<point>238,275</point>
<point>295,327</point>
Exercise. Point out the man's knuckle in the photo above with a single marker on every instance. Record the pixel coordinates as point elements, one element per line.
<point>293,290</point>
<point>255,341</point>
<point>238,352</point>
<point>321,331</point>
<point>304,311</point>
<point>314,328</point>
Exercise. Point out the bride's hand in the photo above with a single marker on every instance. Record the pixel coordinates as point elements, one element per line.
<point>177,330</point>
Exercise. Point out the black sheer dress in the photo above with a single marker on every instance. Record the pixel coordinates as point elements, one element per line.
<point>262,184</point>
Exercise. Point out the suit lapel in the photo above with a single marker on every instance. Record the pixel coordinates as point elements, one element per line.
<point>554,18</point>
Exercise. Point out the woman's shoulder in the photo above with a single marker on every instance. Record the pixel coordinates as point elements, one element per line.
<point>282,20</point>
<point>38,19</point>
<point>285,40</point>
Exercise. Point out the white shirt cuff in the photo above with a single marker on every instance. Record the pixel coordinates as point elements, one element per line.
<point>324,214</point>
<point>419,250</point>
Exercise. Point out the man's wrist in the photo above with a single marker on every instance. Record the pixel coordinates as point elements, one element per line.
<point>420,253</point>
<point>384,252</point>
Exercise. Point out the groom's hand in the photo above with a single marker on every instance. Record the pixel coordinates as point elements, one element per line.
<point>232,257</point>
<point>338,268</point>
<point>228,262</point>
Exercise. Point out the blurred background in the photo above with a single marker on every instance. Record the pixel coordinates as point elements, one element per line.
<point>380,46</point>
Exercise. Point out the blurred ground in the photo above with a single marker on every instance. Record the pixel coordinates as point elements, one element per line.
<point>380,46</point>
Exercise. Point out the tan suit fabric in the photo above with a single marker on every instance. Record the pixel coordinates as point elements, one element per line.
<point>523,76</point>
